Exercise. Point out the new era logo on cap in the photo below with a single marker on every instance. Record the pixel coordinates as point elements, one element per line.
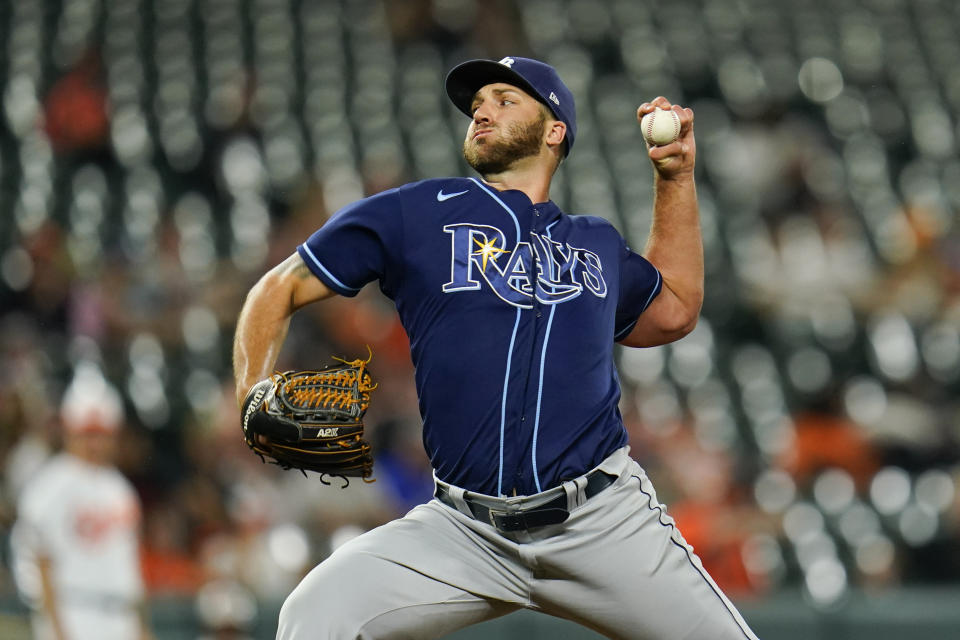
<point>536,78</point>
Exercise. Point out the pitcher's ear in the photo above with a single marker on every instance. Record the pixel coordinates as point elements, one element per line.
<point>556,132</point>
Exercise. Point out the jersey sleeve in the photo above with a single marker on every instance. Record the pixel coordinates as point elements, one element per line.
<point>357,244</point>
<point>640,283</point>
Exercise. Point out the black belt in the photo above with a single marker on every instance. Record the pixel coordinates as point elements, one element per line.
<point>552,512</point>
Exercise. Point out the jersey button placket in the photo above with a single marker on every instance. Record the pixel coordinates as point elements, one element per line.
<point>533,229</point>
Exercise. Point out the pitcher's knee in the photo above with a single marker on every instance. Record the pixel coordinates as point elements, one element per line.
<point>316,613</point>
<point>309,614</point>
<point>289,622</point>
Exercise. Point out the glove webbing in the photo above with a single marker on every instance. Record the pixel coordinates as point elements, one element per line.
<point>346,388</point>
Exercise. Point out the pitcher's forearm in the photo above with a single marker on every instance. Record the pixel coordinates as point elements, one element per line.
<point>261,330</point>
<point>675,244</point>
<point>265,318</point>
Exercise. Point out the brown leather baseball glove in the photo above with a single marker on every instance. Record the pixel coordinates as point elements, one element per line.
<point>312,420</point>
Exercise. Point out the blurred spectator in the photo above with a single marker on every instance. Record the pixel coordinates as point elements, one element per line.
<point>227,610</point>
<point>76,108</point>
<point>169,564</point>
<point>401,464</point>
<point>828,440</point>
<point>76,539</point>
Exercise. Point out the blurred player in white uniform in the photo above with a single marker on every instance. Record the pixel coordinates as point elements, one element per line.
<point>76,540</point>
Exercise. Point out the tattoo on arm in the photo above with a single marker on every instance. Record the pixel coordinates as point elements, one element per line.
<point>302,271</point>
<point>305,286</point>
<point>296,267</point>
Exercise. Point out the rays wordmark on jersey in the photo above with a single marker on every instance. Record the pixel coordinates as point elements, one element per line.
<point>479,254</point>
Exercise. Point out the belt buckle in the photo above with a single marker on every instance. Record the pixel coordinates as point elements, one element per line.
<point>508,521</point>
<point>493,514</point>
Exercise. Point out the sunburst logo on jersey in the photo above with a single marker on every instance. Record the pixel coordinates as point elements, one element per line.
<point>488,250</point>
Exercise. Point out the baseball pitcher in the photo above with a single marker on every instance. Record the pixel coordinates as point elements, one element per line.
<point>512,307</point>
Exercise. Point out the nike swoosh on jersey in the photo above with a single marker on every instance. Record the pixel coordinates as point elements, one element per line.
<point>441,196</point>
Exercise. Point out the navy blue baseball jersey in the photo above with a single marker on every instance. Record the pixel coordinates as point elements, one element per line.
<point>511,309</point>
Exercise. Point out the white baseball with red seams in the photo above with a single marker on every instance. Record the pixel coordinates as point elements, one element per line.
<point>660,126</point>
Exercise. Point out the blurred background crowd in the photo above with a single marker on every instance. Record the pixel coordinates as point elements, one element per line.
<point>157,156</point>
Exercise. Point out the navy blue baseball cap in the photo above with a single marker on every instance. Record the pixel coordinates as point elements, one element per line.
<point>536,78</point>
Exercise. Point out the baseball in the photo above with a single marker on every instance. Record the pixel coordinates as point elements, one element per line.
<point>660,126</point>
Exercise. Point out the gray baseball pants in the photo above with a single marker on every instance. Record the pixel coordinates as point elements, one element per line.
<point>617,565</point>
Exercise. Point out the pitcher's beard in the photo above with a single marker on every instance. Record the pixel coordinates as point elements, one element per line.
<point>491,157</point>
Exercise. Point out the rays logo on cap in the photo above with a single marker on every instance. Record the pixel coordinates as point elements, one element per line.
<point>507,62</point>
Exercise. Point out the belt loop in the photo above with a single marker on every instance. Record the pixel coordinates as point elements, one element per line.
<point>575,490</point>
<point>570,488</point>
<point>456,494</point>
<point>581,489</point>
